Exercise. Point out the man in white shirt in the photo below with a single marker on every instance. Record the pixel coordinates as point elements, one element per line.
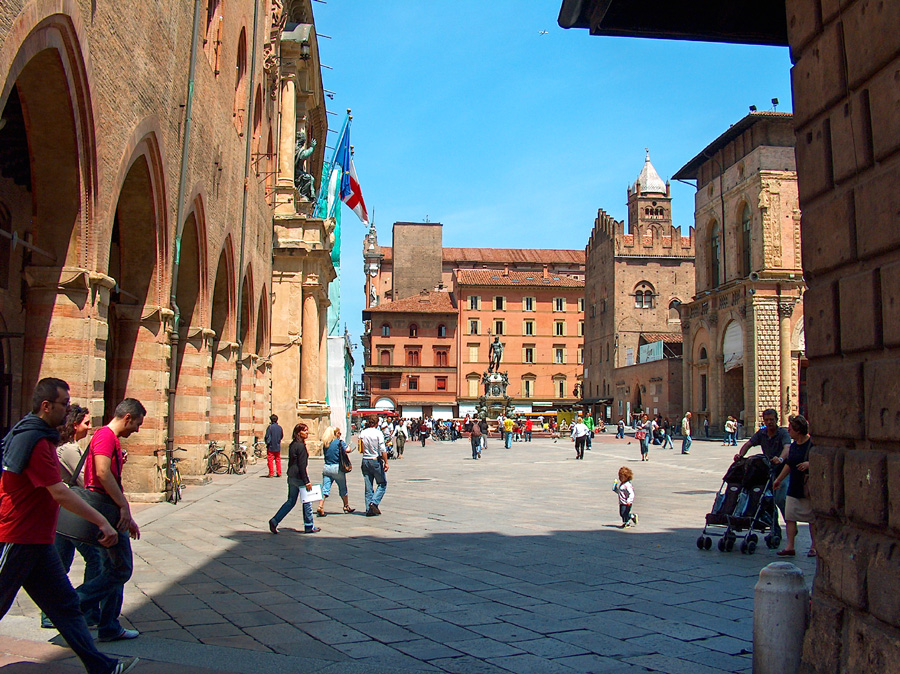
<point>374,465</point>
<point>579,434</point>
<point>399,436</point>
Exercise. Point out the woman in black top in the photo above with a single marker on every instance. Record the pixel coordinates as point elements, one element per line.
<point>298,459</point>
<point>798,507</point>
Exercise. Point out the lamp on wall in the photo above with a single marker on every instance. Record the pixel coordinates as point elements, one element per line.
<point>304,51</point>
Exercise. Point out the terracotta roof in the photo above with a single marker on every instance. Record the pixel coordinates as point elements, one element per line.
<point>535,256</point>
<point>495,277</point>
<point>423,303</point>
<point>667,337</point>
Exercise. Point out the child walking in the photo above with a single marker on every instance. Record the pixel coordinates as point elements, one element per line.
<point>625,490</point>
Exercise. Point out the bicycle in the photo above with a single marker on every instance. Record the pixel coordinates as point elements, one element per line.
<point>239,459</point>
<point>259,448</point>
<point>217,460</point>
<point>171,475</point>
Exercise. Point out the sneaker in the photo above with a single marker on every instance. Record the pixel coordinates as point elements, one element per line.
<point>370,512</point>
<point>634,518</point>
<point>125,665</point>
<point>124,635</point>
<point>273,526</point>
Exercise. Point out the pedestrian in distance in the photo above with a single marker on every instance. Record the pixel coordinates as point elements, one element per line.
<point>529,429</point>
<point>103,474</point>
<point>483,424</point>
<point>625,489</point>
<point>399,437</point>
<point>579,435</point>
<point>589,422</point>
<point>75,428</point>
<point>374,466</point>
<point>706,427</point>
<point>686,439</point>
<point>475,441</point>
<point>298,462</point>
<point>31,492</point>
<point>620,429</point>
<point>508,432</point>
<point>331,470</point>
<point>667,434</point>
<point>642,434</point>
<point>273,438</point>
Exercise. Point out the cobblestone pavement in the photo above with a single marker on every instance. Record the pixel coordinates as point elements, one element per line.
<point>510,563</point>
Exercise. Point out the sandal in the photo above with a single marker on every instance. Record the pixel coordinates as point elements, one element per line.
<point>812,552</point>
<point>348,509</point>
<point>786,553</point>
<point>320,512</point>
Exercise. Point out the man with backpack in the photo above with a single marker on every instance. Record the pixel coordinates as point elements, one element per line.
<point>475,439</point>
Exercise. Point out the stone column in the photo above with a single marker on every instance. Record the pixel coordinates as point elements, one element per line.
<point>785,311</point>
<point>288,129</point>
<point>309,349</point>
<point>323,349</point>
<point>192,392</point>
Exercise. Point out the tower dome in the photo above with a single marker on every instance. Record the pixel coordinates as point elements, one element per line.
<point>649,181</point>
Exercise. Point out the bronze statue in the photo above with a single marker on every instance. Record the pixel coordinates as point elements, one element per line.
<point>496,354</point>
<point>303,180</point>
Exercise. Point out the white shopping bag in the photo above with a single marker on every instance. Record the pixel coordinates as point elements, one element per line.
<point>315,494</point>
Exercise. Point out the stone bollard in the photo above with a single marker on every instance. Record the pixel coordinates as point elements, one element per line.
<point>780,611</point>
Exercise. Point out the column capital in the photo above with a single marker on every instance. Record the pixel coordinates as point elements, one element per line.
<point>786,309</point>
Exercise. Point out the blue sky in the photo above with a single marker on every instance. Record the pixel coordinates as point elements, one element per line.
<point>464,113</point>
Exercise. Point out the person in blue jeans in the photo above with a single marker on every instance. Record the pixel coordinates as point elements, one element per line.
<point>686,433</point>
<point>620,429</point>
<point>298,460</point>
<point>374,466</point>
<point>331,471</point>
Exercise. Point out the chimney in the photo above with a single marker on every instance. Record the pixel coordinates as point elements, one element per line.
<point>546,268</point>
<point>506,268</point>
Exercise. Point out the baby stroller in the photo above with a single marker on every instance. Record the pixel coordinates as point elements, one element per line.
<point>744,507</point>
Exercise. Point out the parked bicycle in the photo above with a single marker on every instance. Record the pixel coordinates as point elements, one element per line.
<point>217,460</point>
<point>239,459</point>
<point>259,448</point>
<point>170,475</point>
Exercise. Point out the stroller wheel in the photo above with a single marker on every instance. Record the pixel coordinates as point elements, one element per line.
<point>721,545</point>
<point>744,546</point>
<point>776,542</point>
<point>751,548</point>
<point>700,543</point>
<point>753,538</point>
<point>768,541</point>
<point>729,544</point>
<point>707,544</point>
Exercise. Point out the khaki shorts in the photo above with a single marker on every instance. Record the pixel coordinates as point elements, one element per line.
<point>798,510</point>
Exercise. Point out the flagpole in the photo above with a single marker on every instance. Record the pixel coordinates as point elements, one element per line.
<point>323,195</point>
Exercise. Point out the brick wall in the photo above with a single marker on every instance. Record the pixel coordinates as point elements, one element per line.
<point>847,111</point>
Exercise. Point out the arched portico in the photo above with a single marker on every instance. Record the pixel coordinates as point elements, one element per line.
<point>224,347</point>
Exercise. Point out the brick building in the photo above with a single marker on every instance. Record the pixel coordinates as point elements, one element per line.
<point>846,59</point>
<point>414,344</point>
<point>136,212</point>
<point>539,319</point>
<point>743,333</point>
<point>527,293</point>
<point>635,282</point>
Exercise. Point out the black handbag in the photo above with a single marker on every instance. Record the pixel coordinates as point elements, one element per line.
<point>345,466</point>
<point>77,528</point>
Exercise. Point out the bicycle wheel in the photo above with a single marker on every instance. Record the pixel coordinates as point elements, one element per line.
<point>177,486</point>
<point>238,463</point>
<point>219,463</point>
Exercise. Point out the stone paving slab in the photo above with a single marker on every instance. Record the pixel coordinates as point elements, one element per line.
<point>510,563</point>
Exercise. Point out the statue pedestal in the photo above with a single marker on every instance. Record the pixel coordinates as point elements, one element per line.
<point>494,402</point>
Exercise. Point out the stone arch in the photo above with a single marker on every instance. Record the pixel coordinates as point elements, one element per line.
<point>262,324</point>
<point>240,81</point>
<point>135,265</point>
<point>48,179</point>
<point>222,309</point>
<point>246,303</point>
<point>257,127</point>
<point>732,349</point>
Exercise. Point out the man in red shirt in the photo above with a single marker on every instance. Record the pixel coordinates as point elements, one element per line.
<point>31,493</point>
<point>103,474</point>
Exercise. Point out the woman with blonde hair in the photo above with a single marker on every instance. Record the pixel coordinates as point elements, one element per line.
<point>331,471</point>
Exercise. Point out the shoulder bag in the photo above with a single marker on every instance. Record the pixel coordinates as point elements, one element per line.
<point>345,465</point>
<point>806,472</point>
<point>77,528</point>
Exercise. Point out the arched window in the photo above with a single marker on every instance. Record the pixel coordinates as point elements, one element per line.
<point>643,296</point>
<point>213,40</point>
<point>385,357</point>
<point>703,355</point>
<point>412,357</point>
<point>714,275</point>
<point>257,127</point>
<point>440,358</point>
<point>413,330</point>
<point>745,241</point>
<point>674,311</point>
<point>240,82</point>
<point>385,330</point>
<point>442,330</point>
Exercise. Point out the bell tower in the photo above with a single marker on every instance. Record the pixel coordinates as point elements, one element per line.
<point>649,202</point>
